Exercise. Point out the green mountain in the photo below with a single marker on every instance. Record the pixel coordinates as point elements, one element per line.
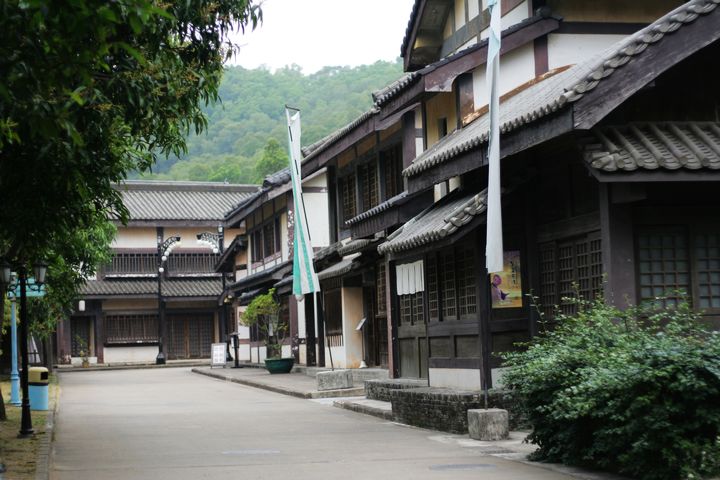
<point>246,136</point>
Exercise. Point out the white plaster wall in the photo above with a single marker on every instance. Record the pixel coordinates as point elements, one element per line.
<point>316,209</point>
<point>458,378</point>
<point>144,354</point>
<point>459,13</point>
<point>284,247</point>
<point>255,351</point>
<point>569,49</point>
<point>516,68</point>
<point>243,353</point>
<point>496,374</point>
<point>474,7</point>
<point>338,357</point>
<point>302,326</point>
<point>352,314</point>
<point>131,237</point>
<point>286,351</point>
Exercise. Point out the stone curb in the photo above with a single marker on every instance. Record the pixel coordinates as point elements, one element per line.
<point>365,409</point>
<point>350,392</point>
<point>42,463</point>
<point>128,367</point>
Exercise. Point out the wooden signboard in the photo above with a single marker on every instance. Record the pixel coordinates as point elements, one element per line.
<point>217,356</point>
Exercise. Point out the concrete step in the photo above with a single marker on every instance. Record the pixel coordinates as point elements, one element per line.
<point>360,375</point>
<point>375,408</point>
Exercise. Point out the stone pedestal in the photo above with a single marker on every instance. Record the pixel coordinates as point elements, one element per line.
<point>334,380</point>
<point>488,425</point>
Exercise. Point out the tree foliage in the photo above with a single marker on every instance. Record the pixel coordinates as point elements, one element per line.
<point>251,116</point>
<point>89,91</point>
<point>635,391</point>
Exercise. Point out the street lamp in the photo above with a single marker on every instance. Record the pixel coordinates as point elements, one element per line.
<point>165,247</point>
<point>39,270</point>
<point>216,241</point>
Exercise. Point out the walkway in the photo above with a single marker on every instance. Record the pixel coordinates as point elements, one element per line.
<point>173,424</point>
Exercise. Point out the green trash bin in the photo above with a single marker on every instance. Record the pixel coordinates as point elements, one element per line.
<point>38,385</point>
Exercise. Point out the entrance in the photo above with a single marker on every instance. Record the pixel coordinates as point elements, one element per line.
<point>80,338</point>
<point>189,335</point>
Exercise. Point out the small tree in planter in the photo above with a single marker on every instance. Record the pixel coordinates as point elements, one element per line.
<point>264,311</point>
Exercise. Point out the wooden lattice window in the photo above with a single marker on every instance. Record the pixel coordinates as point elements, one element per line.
<point>369,185</point>
<point>707,261</point>
<point>664,265</point>
<point>269,239</point>
<point>131,329</point>
<point>570,267</point>
<point>392,165</point>
<point>412,309</point>
<point>406,310</point>
<point>467,292</point>
<point>432,288</point>
<point>449,300</point>
<point>380,285</point>
<point>548,291</point>
<point>349,201</point>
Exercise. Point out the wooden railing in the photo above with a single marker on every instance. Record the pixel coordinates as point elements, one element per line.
<point>146,264</point>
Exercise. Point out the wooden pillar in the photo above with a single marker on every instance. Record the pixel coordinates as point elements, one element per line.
<point>99,331</point>
<point>391,302</point>
<point>617,237</point>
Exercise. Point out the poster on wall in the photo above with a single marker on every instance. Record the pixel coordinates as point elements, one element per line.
<point>506,286</point>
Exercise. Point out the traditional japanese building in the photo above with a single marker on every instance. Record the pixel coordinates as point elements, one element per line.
<point>117,316</point>
<point>609,149</point>
<point>264,260</point>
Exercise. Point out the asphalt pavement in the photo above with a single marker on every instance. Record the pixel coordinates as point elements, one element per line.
<point>172,424</point>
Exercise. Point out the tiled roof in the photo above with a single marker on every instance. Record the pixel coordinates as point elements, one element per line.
<point>552,94</point>
<point>357,245</point>
<point>275,273</point>
<point>384,95</point>
<point>655,145</point>
<point>152,200</point>
<point>171,287</point>
<point>327,252</point>
<point>390,202</point>
<point>346,265</point>
<point>436,223</point>
<point>408,30</point>
<point>270,182</point>
<point>314,149</point>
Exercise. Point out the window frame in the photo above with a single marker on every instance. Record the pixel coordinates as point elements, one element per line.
<point>691,232</point>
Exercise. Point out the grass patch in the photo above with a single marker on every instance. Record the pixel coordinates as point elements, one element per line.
<point>20,454</point>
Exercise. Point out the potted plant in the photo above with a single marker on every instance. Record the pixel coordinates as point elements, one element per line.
<point>264,311</point>
<point>84,353</point>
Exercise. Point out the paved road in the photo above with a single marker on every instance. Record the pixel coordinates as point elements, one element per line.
<point>173,424</point>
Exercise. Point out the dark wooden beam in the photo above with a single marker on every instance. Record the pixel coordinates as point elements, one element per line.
<point>644,68</point>
<point>442,77</point>
<point>514,142</point>
<point>653,176</point>
<point>618,252</point>
<point>600,28</point>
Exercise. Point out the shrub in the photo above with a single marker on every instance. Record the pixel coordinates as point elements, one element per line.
<point>636,392</point>
<point>264,311</point>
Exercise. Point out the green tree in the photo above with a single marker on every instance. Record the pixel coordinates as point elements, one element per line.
<point>273,158</point>
<point>89,91</point>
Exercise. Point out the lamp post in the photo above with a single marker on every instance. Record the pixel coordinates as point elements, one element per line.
<point>216,241</point>
<point>165,247</point>
<point>39,270</point>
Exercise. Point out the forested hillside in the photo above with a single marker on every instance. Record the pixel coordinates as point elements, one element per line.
<point>246,136</point>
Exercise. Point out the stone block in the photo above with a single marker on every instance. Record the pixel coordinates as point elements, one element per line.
<point>334,380</point>
<point>488,425</point>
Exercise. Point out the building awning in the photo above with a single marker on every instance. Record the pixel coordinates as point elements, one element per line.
<point>436,223</point>
<point>265,278</point>
<point>246,297</point>
<point>386,205</point>
<point>343,267</point>
<point>204,288</point>
<point>652,146</point>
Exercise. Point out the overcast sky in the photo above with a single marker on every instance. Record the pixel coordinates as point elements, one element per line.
<point>318,33</point>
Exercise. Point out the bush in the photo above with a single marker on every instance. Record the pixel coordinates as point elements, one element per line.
<point>635,392</point>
